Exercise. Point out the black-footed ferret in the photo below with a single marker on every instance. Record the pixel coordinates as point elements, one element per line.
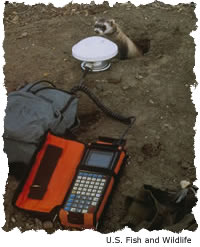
<point>110,29</point>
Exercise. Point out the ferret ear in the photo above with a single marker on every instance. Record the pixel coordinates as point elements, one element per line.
<point>112,22</point>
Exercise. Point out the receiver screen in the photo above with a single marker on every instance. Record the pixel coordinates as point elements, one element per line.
<point>99,159</point>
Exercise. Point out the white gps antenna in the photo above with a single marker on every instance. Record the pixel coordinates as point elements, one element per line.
<point>95,53</point>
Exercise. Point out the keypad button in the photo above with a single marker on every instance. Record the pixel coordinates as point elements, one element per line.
<point>84,211</point>
<point>70,200</point>
<point>94,203</point>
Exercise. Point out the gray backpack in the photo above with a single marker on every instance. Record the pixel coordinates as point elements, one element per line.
<point>31,112</point>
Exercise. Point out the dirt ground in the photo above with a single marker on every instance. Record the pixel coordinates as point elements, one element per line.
<point>155,88</point>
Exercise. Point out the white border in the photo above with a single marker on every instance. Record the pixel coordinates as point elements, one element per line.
<point>90,238</point>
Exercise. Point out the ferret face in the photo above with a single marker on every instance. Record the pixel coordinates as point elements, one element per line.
<point>104,27</point>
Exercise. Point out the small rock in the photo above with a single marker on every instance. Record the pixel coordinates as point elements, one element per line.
<point>15,19</point>
<point>23,35</point>
<point>47,225</point>
<point>125,87</point>
<point>13,219</point>
<point>38,223</point>
<point>29,226</point>
<point>151,101</point>
<point>45,74</point>
<point>107,92</point>
<point>179,10</point>
<point>86,13</point>
<point>138,76</point>
<point>184,184</point>
<point>167,126</point>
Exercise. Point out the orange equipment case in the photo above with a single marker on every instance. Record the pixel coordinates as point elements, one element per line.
<point>45,189</point>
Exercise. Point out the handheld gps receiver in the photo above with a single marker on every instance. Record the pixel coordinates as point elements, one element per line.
<point>92,183</point>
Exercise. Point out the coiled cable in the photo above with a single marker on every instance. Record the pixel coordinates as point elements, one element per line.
<point>105,109</point>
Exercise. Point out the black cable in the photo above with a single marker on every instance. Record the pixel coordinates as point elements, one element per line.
<point>86,71</point>
<point>132,120</point>
<point>105,109</point>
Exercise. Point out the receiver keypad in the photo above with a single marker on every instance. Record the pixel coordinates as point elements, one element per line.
<point>86,192</point>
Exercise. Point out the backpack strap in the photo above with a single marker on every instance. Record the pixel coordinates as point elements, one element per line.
<point>40,82</point>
